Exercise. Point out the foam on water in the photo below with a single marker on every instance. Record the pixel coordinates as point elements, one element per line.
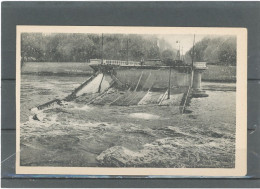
<point>84,108</point>
<point>144,116</point>
<point>34,110</point>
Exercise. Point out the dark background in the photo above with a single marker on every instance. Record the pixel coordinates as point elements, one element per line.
<point>171,14</point>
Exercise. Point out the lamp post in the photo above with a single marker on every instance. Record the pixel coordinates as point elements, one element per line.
<point>179,51</point>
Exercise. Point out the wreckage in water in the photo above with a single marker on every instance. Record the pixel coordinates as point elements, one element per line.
<point>127,83</point>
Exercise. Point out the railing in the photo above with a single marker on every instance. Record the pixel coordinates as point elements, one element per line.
<point>200,64</point>
<point>114,62</point>
<point>134,63</point>
<point>120,62</point>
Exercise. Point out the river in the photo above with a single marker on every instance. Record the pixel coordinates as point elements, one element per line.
<point>119,136</point>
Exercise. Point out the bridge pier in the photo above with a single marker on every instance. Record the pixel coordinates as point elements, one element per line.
<point>199,68</point>
<point>197,79</point>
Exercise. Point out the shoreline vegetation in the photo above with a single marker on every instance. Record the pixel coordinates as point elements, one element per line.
<point>61,47</point>
<point>62,54</point>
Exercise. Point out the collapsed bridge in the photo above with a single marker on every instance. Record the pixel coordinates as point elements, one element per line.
<point>123,83</point>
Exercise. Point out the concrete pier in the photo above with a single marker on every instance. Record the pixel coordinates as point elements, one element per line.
<point>197,79</point>
<point>199,68</point>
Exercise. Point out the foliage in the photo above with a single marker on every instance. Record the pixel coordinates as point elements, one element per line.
<point>40,47</point>
<point>168,57</point>
<point>217,50</point>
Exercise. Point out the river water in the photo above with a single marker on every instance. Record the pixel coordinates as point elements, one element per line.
<point>118,136</point>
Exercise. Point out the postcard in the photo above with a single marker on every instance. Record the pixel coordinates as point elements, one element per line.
<point>149,101</point>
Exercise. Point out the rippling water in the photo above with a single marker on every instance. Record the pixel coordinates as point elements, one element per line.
<point>36,90</point>
<point>77,134</point>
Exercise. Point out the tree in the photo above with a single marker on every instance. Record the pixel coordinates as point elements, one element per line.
<point>218,50</point>
<point>60,47</point>
<point>199,49</point>
<point>227,52</point>
<point>167,57</point>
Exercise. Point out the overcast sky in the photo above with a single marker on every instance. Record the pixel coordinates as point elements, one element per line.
<point>186,41</point>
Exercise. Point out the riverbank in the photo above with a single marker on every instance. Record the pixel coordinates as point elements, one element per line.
<point>214,73</point>
<point>219,73</point>
<point>57,68</point>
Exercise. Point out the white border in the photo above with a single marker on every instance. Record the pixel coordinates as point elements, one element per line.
<point>241,103</point>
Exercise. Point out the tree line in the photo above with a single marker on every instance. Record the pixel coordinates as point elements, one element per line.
<point>216,50</point>
<point>60,47</point>
<point>39,47</point>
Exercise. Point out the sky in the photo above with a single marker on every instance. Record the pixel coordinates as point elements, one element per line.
<point>186,41</point>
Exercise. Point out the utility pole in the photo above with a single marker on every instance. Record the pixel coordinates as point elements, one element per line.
<point>169,83</point>
<point>127,50</point>
<point>179,50</point>
<point>192,62</point>
<point>192,57</point>
<point>182,54</point>
<point>102,49</point>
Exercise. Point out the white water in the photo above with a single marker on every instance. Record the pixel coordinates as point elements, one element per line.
<point>144,116</point>
<point>134,128</point>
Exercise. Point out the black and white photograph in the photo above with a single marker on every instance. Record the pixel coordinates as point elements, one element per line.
<point>150,101</point>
